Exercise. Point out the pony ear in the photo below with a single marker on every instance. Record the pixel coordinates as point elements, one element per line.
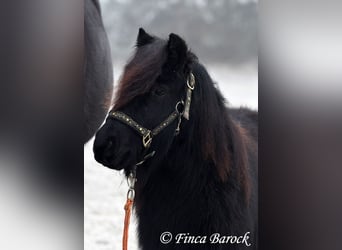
<point>177,52</point>
<point>143,38</point>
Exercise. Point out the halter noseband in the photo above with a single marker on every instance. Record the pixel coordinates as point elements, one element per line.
<point>181,109</point>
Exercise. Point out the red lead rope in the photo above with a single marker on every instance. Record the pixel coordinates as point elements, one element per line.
<point>131,180</point>
<point>128,211</point>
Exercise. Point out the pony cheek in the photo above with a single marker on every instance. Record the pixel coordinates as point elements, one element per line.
<point>161,144</point>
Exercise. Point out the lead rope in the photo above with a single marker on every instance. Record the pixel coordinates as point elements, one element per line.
<point>128,210</point>
<point>131,180</point>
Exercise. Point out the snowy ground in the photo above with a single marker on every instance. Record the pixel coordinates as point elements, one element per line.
<point>105,189</point>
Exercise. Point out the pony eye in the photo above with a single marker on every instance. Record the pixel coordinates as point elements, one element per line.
<point>159,91</point>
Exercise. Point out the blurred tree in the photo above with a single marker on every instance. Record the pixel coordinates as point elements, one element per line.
<point>216,30</point>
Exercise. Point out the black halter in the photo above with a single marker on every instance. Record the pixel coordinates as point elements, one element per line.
<point>147,134</point>
<point>181,109</point>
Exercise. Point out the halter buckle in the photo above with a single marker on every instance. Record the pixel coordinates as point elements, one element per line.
<point>147,139</point>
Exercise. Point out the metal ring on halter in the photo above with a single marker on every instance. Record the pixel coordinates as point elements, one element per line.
<point>177,107</point>
<point>191,83</point>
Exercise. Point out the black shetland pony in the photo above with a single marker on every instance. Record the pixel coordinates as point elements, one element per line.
<point>200,182</point>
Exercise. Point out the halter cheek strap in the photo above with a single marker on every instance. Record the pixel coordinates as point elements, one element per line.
<point>190,87</point>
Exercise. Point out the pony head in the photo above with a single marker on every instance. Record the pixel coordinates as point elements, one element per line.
<point>153,82</point>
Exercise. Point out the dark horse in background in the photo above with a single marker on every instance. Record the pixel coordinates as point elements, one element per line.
<point>98,70</point>
<point>201,181</point>
<point>58,94</point>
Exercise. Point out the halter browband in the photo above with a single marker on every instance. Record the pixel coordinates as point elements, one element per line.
<point>147,134</point>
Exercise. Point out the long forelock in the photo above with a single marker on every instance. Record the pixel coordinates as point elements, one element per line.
<point>141,72</point>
